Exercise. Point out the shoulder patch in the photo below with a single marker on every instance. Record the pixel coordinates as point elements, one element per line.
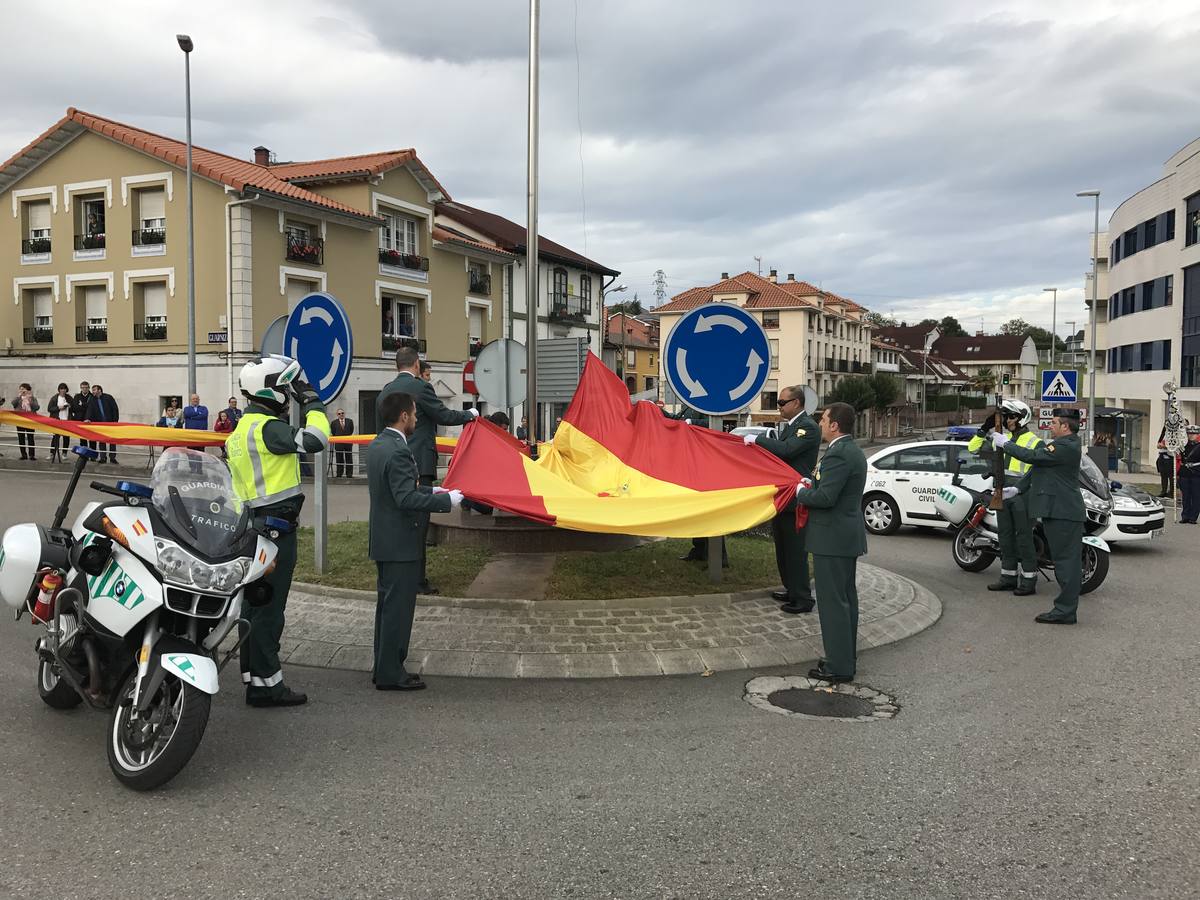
<point>801,432</point>
<point>1050,448</point>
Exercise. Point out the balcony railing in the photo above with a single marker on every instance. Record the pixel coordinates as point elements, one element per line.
<point>32,246</point>
<point>89,242</point>
<point>149,237</point>
<point>474,347</point>
<point>395,342</point>
<point>480,284</point>
<point>91,334</point>
<point>770,323</point>
<point>565,308</point>
<point>829,364</point>
<point>843,365</point>
<point>404,260</point>
<point>40,334</point>
<point>306,250</point>
<point>150,331</point>
<point>861,368</point>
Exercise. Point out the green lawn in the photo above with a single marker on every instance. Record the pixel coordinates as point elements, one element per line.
<point>654,570</point>
<point>450,569</point>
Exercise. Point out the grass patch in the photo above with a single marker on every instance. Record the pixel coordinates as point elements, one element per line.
<point>655,570</point>
<point>450,569</point>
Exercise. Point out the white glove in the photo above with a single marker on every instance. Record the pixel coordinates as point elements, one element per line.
<point>749,439</point>
<point>473,411</point>
<point>687,421</point>
<point>456,497</point>
<point>999,439</point>
<point>440,490</point>
<point>1008,493</point>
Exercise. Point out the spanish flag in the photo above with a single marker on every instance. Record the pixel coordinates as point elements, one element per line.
<point>613,467</point>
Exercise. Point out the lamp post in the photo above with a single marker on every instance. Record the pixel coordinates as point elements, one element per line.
<point>185,44</point>
<point>619,289</point>
<point>1053,324</point>
<point>1095,286</point>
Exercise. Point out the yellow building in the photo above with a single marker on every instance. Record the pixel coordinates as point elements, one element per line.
<point>631,350</point>
<point>95,250</point>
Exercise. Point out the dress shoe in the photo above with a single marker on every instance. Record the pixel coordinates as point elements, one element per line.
<point>690,557</point>
<point>1002,585</point>
<point>796,609</point>
<point>1054,618</point>
<point>409,682</point>
<point>779,596</point>
<point>820,673</point>
<point>285,697</point>
<point>1025,591</point>
<point>427,588</point>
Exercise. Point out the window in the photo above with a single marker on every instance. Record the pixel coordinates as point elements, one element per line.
<point>922,459</point>
<point>399,233</point>
<point>152,209</point>
<point>774,342</point>
<point>770,319</point>
<point>649,383</point>
<point>154,303</point>
<point>475,324</point>
<point>560,286</point>
<point>1170,226</point>
<point>298,233</point>
<point>972,463</point>
<point>887,463</point>
<point>631,357</point>
<point>297,290</point>
<point>43,308</point>
<point>1169,292</point>
<point>38,217</point>
<point>478,281</point>
<point>1191,220</point>
<point>399,318</point>
<point>92,216</point>
<point>1151,230</point>
<point>1131,245</point>
<point>768,400</point>
<point>585,292</point>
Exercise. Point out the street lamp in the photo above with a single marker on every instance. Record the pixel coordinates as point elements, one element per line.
<point>619,289</point>
<point>1053,324</point>
<point>1095,286</point>
<point>185,44</point>
<point>1074,352</point>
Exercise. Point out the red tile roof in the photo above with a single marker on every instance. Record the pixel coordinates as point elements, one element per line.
<point>450,236</point>
<point>763,294</point>
<point>638,334</point>
<point>227,170</point>
<point>363,165</point>
<point>911,337</point>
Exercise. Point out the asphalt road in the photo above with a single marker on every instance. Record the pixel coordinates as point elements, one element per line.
<point>1026,761</point>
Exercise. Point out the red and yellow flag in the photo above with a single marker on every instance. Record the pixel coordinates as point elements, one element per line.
<point>613,467</point>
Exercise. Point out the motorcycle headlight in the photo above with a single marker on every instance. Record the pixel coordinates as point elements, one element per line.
<point>202,575</point>
<point>228,576</point>
<point>174,563</point>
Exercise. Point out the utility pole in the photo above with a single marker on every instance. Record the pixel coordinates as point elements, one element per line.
<point>531,232</point>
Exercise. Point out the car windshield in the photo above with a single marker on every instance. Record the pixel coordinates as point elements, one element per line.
<point>1092,479</point>
<point>193,492</point>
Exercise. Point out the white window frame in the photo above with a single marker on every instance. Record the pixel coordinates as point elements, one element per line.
<point>397,300</point>
<point>476,301</point>
<point>87,187</point>
<point>392,287</point>
<point>165,179</point>
<point>34,281</point>
<point>302,274</point>
<point>138,275</point>
<point>18,196</point>
<point>85,278</point>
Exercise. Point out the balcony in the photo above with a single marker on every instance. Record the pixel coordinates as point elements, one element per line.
<point>843,365</point>
<point>39,334</point>
<point>474,347</point>
<point>35,247</point>
<point>89,246</point>
<point>479,284</point>
<point>565,308</point>
<point>861,368</point>
<point>150,331</point>
<point>149,241</point>
<point>91,334</point>
<point>398,260</point>
<point>830,364</point>
<point>309,250</point>
<point>392,343</point>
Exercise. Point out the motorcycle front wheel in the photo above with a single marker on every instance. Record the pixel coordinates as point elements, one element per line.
<point>1095,569</point>
<point>968,557</point>
<point>151,749</point>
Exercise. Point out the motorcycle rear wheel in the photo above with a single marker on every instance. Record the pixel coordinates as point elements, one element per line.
<point>55,692</point>
<point>1095,569</point>
<point>970,559</point>
<point>148,752</point>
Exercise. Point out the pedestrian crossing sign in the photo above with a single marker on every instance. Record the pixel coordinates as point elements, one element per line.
<point>1060,386</point>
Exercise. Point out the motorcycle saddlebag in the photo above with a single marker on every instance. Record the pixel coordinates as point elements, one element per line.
<point>953,503</point>
<point>24,550</point>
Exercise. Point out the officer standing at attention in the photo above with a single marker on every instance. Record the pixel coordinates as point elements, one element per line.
<point>265,465</point>
<point>1189,476</point>
<point>1018,554</point>
<point>838,537</point>
<point>796,443</point>
<point>1052,488</point>
<point>431,413</point>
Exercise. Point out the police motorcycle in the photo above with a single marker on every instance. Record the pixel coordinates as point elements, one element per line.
<point>977,539</point>
<point>134,600</point>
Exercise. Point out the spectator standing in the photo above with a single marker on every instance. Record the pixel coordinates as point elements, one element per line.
<point>59,408</point>
<point>343,454</point>
<point>1189,476</point>
<point>103,408</point>
<point>170,418</point>
<point>26,402</point>
<point>79,405</point>
<point>523,429</point>
<point>426,372</point>
<point>232,411</point>
<point>1165,465</point>
<point>195,417</point>
<point>224,425</point>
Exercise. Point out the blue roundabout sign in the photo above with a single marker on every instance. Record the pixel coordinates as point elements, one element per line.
<point>317,335</point>
<point>717,358</point>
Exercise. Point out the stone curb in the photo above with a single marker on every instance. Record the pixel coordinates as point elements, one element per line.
<point>921,611</point>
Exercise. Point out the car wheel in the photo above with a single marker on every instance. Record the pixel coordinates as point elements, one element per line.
<point>880,514</point>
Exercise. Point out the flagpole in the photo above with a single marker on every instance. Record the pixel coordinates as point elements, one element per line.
<point>531,234</point>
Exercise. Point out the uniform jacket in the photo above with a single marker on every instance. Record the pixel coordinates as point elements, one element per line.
<point>340,430</point>
<point>1190,458</point>
<point>102,409</point>
<point>431,413</point>
<point>835,519</point>
<point>796,443</point>
<point>1051,485</point>
<point>396,532</point>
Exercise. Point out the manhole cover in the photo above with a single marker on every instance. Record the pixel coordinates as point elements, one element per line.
<point>795,695</point>
<point>821,703</point>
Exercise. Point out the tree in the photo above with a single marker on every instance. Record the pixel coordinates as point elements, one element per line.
<point>1041,336</point>
<point>984,381</point>
<point>1015,326</point>
<point>886,390</point>
<point>879,320</point>
<point>629,307</point>
<point>928,323</point>
<point>855,391</point>
<point>950,327</point>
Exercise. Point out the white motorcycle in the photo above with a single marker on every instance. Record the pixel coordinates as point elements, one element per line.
<point>135,600</point>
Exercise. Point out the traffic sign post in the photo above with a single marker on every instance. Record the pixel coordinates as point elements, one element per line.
<point>317,335</point>
<point>717,359</point>
<point>1060,386</point>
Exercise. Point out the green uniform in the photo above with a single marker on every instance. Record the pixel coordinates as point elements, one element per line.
<point>837,536</point>
<point>796,443</point>
<point>1018,554</point>
<point>399,507</point>
<point>1052,491</point>
<point>265,465</point>
<point>431,412</point>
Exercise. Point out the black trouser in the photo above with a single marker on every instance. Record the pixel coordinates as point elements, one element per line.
<point>262,671</point>
<point>791,557</point>
<point>343,460</point>
<point>111,449</point>
<point>395,606</point>
<point>1166,468</point>
<point>25,442</point>
<point>837,608</point>
<point>58,444</point>
<point>1191,498</point>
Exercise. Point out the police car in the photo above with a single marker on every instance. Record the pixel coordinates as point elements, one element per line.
<point>1136,515</point>
<point>903,479</point>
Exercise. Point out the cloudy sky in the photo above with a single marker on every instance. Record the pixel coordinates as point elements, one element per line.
<point>921,157</point>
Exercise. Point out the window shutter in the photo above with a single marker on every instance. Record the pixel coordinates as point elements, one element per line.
<point>94,299</point>
<point>39,216</point>
<point>153,204</point>
<point>297,290</point>
<point>476,323</point>
<point>154,300</point>
<point>43,300</point>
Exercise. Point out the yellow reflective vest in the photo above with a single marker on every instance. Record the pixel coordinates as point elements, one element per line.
<point>1016,468</point>
<point>262,477</point>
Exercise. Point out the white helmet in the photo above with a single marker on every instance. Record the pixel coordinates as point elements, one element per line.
<point>267,379</point>
<point>1019,409</point>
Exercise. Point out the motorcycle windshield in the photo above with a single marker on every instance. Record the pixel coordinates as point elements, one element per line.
<point>1092,479</point>
<point>193,492</point>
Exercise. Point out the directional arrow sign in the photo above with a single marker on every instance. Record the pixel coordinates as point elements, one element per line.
<point>717,359</point>
<point>317,335</point>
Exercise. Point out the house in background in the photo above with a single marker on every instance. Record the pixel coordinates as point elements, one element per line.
<point>631,351</point>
